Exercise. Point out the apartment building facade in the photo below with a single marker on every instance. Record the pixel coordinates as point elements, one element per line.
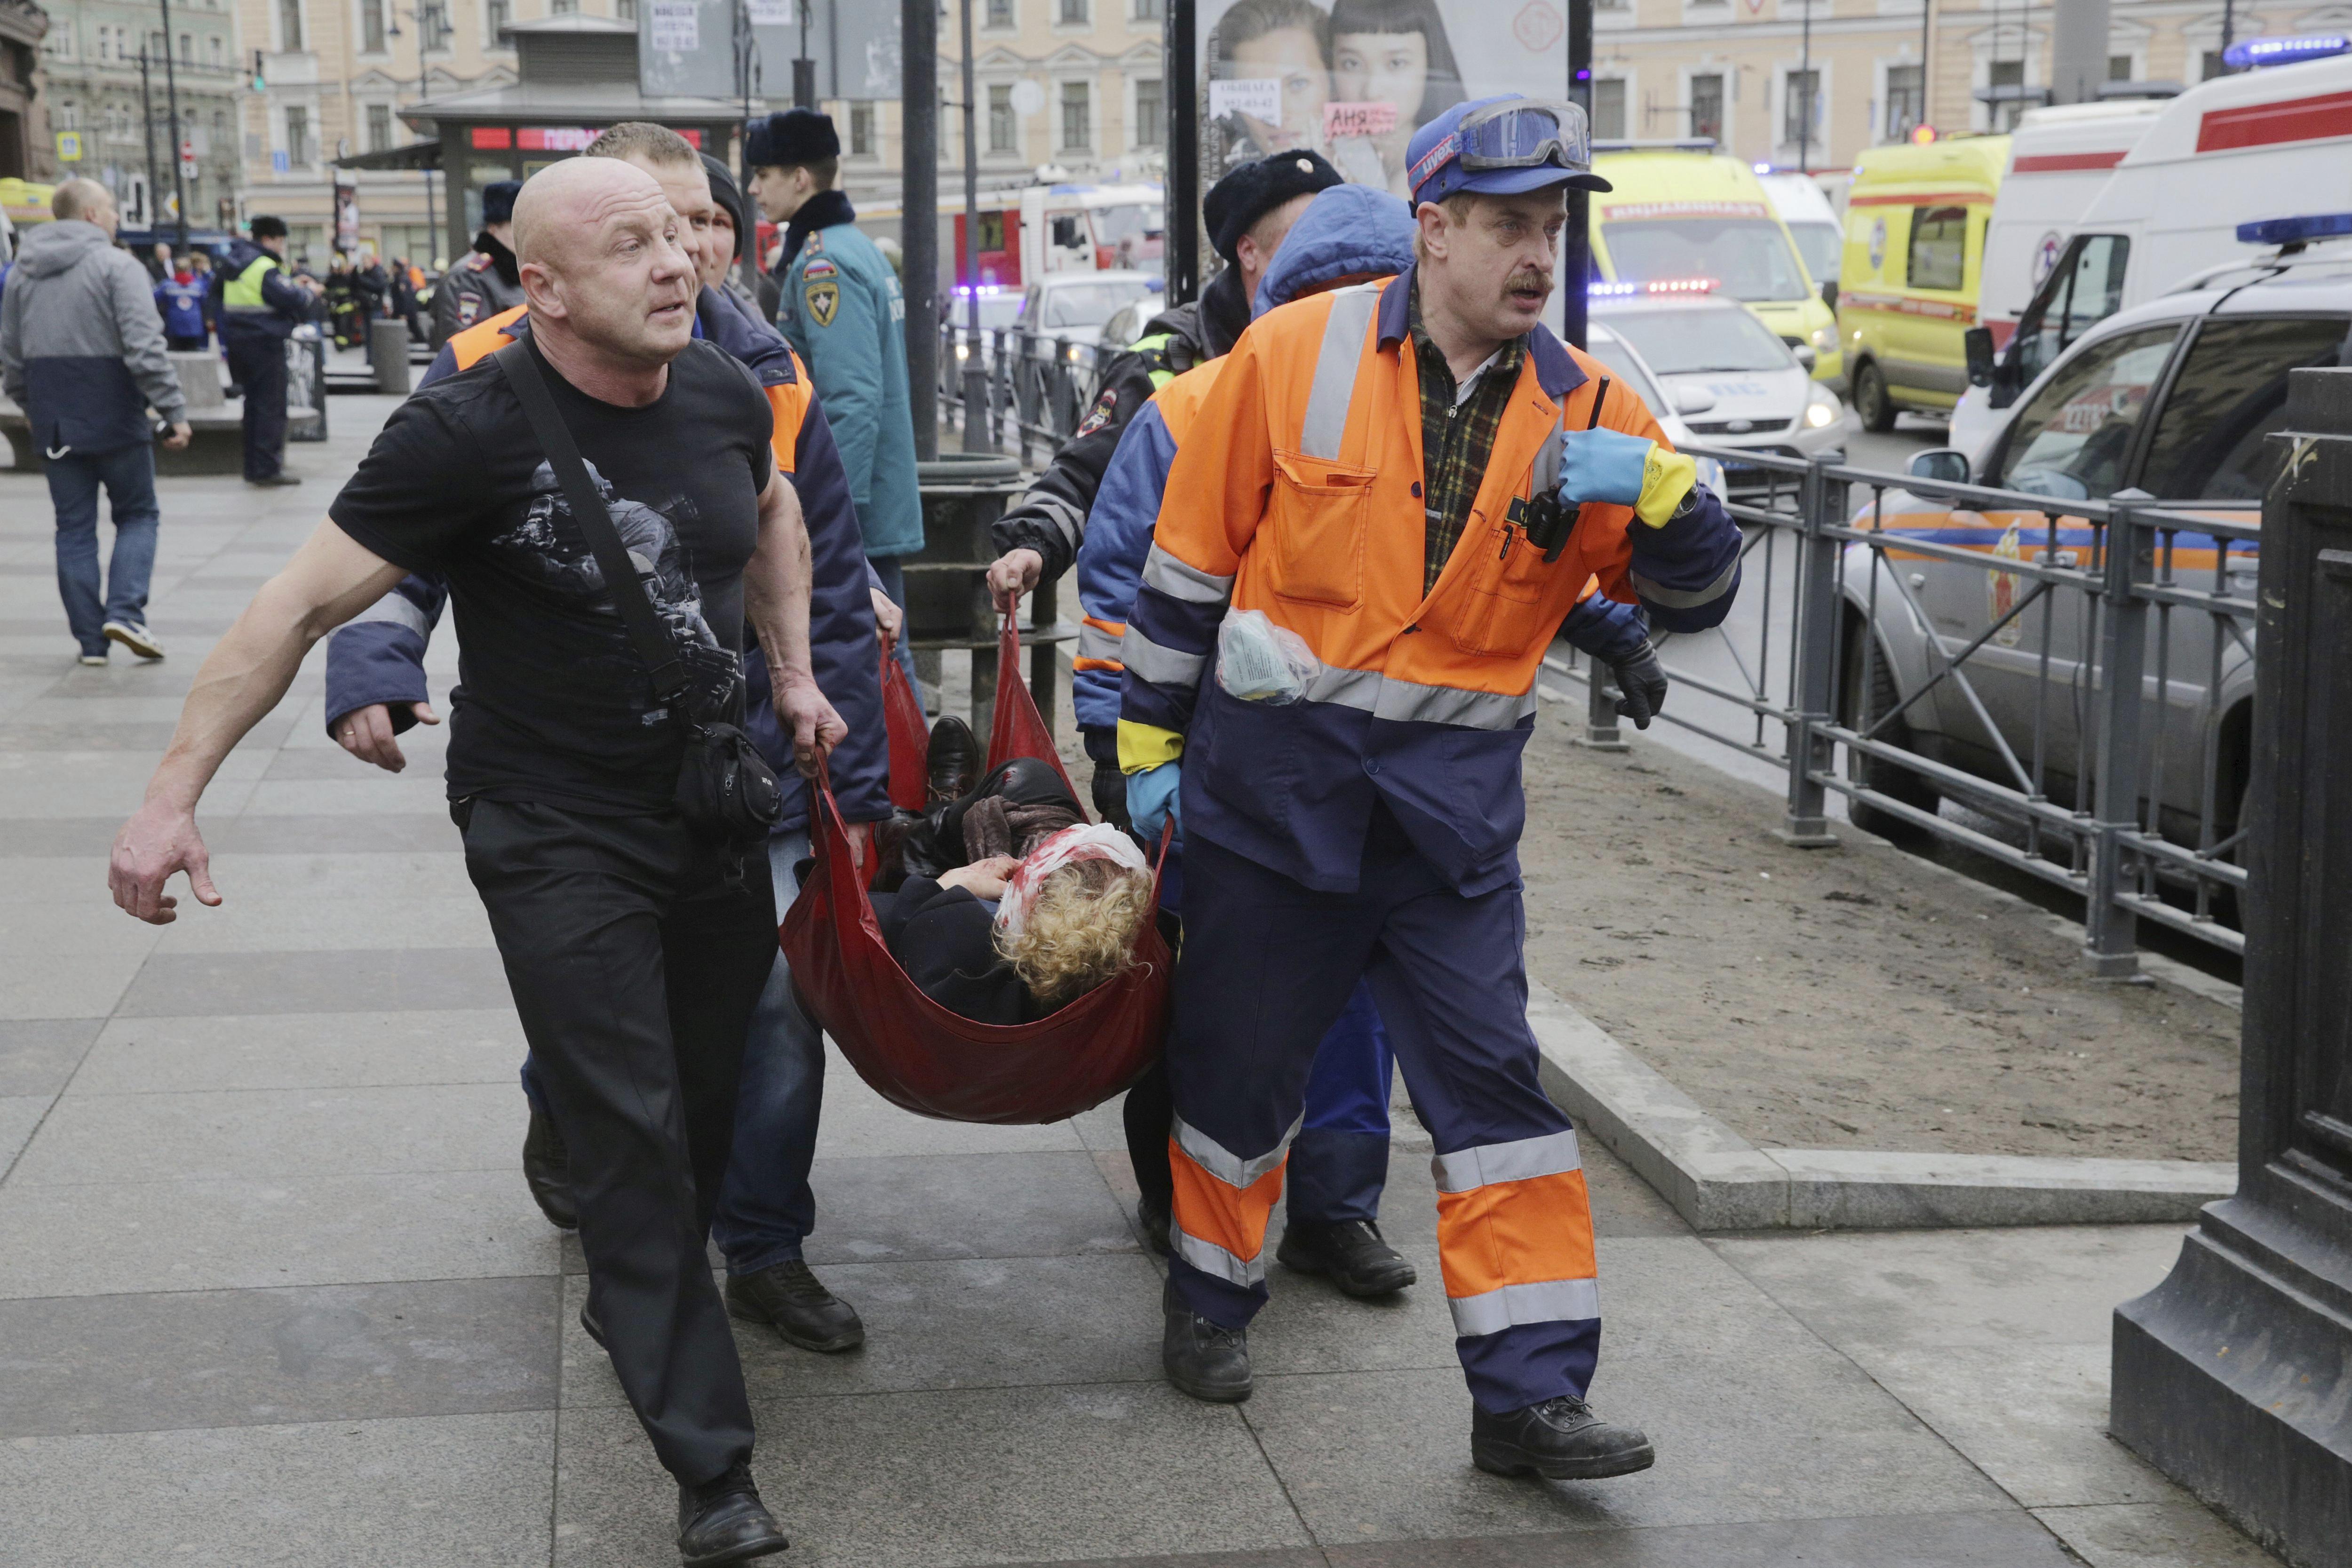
<point>104,121</point>
<point>1778,81</point>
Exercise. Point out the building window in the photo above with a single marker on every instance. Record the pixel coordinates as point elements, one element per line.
<point>1000,14</point>
<point>379,127</point>
<point>1149,11</point>
<point>187,50</point>
<point>297,137</point>
<point>65,117</point>
<point>371,26</point>
<point>563,8</point>
<point>1706,107</point>
<point>213,50</point>
<point>1904,111</point>
<point>1073,13</point>
<point>861,130</point>
<point>1002,133</point>
<point>1151,114</point>
<point>2011,75</point>
<point>1077,111</point>
<point>1800,107</point>
<point>2119,68</point>
<point>289,25</point>
<point>496,15</point>
<point>625,10</point>
<point>1609,109</point>
<point>2213,66</point>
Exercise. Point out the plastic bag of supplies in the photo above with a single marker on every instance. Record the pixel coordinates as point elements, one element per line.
<point>1258,662</point>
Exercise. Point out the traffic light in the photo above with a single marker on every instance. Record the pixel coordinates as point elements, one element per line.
<point>260,82</point>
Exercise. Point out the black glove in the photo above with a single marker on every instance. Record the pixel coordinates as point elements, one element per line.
<point>1643,681</point>
<point>1110,790</point>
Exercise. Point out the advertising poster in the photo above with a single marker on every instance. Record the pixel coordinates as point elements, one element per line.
<point>1353,80</point>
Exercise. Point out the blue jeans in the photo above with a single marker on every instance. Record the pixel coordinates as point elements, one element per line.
<point>129,475</point>
<point>765,1206</point>
<point>894,584</point>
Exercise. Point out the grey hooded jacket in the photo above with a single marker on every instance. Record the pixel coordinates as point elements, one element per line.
<point>81,347</point>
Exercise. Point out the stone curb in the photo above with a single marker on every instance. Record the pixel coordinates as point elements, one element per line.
<point>1718,1181</point>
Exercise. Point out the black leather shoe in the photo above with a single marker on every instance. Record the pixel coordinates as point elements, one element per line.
<point>547,1168</point>
<point>723,1521</point>
<point>1209,1362</point>
<point>954,760</point>
<point>1154,1222</point>
<point>275,481</point>
<point>1349,1251</point>
<point>791,1300</point>
<point>1560,1438</point>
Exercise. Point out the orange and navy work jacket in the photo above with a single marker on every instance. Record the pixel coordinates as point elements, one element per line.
<point>1298,492</point>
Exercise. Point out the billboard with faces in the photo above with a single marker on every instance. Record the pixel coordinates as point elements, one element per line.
<point>1353,80</point>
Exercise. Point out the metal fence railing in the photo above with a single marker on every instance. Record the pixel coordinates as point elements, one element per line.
<point>2064,687</point>
<point>1030,391</point>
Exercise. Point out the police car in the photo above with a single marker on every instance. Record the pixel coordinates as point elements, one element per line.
<point>1714,374</point>
<point>2176,397</point>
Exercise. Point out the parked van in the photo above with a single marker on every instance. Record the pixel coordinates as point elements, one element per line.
<point>1914,235</point>
<point>2059,159</point>
<point>1681,210</point>
<point>2259,146</point>
<point>1812,221</point>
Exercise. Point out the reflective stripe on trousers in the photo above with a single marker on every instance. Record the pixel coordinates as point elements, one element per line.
<point>1224,1202</point>
<point>1515,1234</point>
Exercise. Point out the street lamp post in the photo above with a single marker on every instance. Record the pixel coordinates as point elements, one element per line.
<point>427,15</point>
<point>147,119</point>
<point>977,435</point>
<point>747,85</point>
<point>171,99</point>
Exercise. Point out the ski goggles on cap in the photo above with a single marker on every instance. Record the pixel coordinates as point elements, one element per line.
<point>1508,146</point>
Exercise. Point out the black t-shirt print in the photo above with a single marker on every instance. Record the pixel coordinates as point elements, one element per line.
<point>554,703</point>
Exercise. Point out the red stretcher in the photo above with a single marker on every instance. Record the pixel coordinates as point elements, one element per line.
<point>912,1051</point>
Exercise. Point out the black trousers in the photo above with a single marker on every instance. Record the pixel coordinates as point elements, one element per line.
<point>636,967</point>
<point>256,361</point>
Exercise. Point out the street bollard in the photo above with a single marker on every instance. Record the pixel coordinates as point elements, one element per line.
<point>2234,1375</point>
<point>388,346</point>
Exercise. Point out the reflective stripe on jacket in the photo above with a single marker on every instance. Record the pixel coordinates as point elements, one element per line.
<point>1298,493</point>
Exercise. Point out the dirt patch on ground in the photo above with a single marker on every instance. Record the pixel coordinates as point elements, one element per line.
<point>1853,998</point>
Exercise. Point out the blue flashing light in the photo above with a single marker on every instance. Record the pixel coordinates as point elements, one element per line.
<point>2252,53</point>
<point>2294,230</point>
<point>1612,290</point>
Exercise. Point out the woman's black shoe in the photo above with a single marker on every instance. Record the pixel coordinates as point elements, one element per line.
<point>954,760</point>
<point>1560,1438</point>
<point>1351,1252</point>
<point>723,1521</point>
<point>547,1170</point>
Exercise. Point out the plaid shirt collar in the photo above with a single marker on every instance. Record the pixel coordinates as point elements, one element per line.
<point>1457,436</point>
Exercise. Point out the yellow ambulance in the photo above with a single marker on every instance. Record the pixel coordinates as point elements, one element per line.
<point>1914,235</point>
<point>1683,211</point>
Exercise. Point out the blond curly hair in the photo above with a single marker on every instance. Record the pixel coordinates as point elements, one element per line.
<point>1081,930</point>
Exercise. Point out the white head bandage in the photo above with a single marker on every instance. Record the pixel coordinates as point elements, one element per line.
<point>1100,841</point>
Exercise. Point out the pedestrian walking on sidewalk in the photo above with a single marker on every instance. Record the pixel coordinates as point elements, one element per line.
<point>258,311</point>
<point>1364,823</point>
<point>82,353</point>
<point>636,945</point>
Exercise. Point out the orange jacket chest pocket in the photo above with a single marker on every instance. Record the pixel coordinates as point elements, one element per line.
<point>1505,600</point>
<point>1318,513</point>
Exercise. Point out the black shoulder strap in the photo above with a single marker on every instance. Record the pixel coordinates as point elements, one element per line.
<point>654,643</point>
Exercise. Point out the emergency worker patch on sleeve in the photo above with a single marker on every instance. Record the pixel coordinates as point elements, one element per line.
<point>468,307</point>
<point>1105,410</point>
<point>824,299</point>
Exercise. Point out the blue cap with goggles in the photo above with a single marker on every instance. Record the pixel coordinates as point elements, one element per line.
<point>1502,146</point>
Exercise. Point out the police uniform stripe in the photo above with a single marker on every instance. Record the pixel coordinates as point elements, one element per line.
<point>394,608</point>
<point>1098,640</point>
<point>1221,1162</point>
<point>1059,511</point>
<point>1334,386</point>
<point>1551,1301</point>
<point>1548,1155</point>
<point>1408,702</point>
<point>1161,666</point>
<point>1188,585</point>
<point>1682,598</point>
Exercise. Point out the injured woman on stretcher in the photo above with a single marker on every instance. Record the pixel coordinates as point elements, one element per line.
<point>1012,906</point>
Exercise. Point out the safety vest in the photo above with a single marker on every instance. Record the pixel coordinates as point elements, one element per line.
<point>790,401</point>
<point>1300,495</point>
<point>243,292</point>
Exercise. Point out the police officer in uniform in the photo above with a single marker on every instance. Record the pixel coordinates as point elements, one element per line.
<point>486,281</point>
<point>843,313</point>
<point>259,309</point>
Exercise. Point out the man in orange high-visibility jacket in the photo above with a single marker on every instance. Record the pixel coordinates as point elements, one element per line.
<point>1419,481</point>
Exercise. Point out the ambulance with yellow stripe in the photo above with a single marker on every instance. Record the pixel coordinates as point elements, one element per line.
<point>2176,397</point>
<point>1915,255</point>
<point>1684,210</point>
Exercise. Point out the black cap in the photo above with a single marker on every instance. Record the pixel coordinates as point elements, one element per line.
<point>499,200</point>
<point>792,140</point>
<point>268,229</point>
<point>728,194</point>
<point>1248,192</point>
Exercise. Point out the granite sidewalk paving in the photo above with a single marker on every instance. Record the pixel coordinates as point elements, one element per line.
<point>271,1292</point>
